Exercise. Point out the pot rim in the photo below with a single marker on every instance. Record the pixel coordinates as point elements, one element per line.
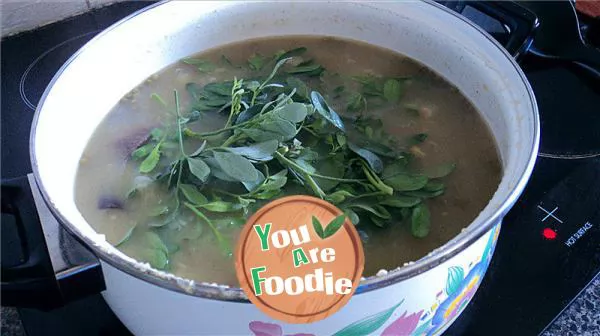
<point>236,294</point>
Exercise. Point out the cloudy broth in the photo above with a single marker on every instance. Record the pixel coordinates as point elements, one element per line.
<point>447,154</point>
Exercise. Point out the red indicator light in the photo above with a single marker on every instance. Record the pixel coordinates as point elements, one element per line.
<point>549,233</point>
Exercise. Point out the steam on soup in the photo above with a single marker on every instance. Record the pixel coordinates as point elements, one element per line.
<point>177,166</point>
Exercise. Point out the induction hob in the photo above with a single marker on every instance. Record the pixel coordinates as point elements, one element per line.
<point>549,245</point>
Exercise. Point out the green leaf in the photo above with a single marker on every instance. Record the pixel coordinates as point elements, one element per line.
<point>151,161</point>
<point>276,181</point>
<point>294,112</point>
<point>337,92</point>
<point>248,113</point>
<point>376,210</point>
<point>433,186</point>
<point>405,182</point>
<point>420,221</point>
<point>456,275</point>
<point>373,160</point>
<point>330,167</point>
<point>339,196</point>
<point>440,171</point>
<point>257,62</point>
<point>291,53</point>
<point>423,193</point>
<point>312,69</point>
<point>220,206</point>
<point>199,168</point>
<point>400,201</point>
<point>156,134</point>
<point>325,111</point>
<point>202,65</point>
<point>352,216</point>
<point>356,102</point>
<point>318,227</point>
<point>218,89</point>
<point>142,151</point>
<point>125,237</point>
<point>155,252</point>
<point>252,186</point>
<point>395,168</point>
<point>262,151</point>
<point>334,225</point>
<point>392,90</point>
<point>192,194</point>
<point>369,324</point>
<point>279,64</point>
<point>159,211</point>
<point>417,139</point>
<point>302,89</point>
<point>236,166</point>
<point>273,128</point>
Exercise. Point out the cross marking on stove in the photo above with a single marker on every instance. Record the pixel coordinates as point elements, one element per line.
<point>550,214</point>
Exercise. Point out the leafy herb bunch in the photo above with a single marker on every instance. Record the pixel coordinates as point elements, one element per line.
<point>279,137</point>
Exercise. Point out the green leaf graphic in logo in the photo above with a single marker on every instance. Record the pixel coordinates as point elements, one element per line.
<point>455,277</point>
<point>369,324</point>
<point>331,228</point>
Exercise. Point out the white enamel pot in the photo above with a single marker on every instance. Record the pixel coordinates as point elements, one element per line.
<point>422,298</point>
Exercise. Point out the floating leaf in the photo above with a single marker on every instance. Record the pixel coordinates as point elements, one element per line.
<point>376,210</point>
<point>192,194</point>
<point>236,166</point>
<point>199,168</point>
<point>369,324</point>
<point>400,201</point>
<point>151,161</point>
<point>251,186</point>
<point>352,216</point>
<point>291,53</point>
<point>302,89</point>
<point>294,112</point>
<point>373,160</point>
<point>202,65</point>
<point>405,182</point>
<point>142,151</point>
<point>392,90</point>
<point>433,186</point>
<point>155,252</point>
<point>356,102</point>
<point>334,225</point>
<point>440,171</point>
<point>221,206</point>
<point>262,151</point>
<point>256,62</point>
<point>274,128</point>
<point>423,193</point>
<point>125,237</point>
<point>249,113</point>
<point>420,221</point>
<point>324,110</point>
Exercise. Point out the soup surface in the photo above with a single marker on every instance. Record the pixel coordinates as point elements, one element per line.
<point>181,161</point>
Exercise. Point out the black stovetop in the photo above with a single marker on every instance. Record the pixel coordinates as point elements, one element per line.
<point>531,279</point>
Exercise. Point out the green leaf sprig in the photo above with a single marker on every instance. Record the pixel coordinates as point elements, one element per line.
<point>280,135</point>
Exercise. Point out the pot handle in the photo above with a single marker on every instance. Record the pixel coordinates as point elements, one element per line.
<point>35,271</point>
<point>520,21</point>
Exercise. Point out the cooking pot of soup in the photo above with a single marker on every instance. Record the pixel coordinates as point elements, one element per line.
<point>154,143</point>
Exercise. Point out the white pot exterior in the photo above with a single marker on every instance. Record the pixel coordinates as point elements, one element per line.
<point>424,306</point>
<point>431,291</point>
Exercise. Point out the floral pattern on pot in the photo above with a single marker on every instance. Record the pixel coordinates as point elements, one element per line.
<point>458,292</point>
